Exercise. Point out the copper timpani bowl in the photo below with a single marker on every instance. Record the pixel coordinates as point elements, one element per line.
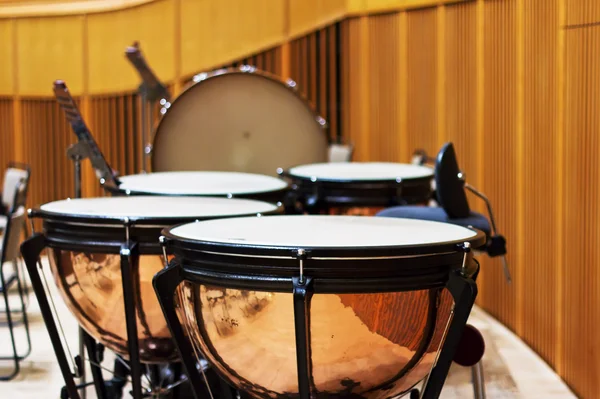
<point>358,345</point>
<point>85,237</point>
<point>342,306</point>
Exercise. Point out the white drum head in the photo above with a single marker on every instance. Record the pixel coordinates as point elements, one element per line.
<point>156,207</point>
<point>361,171</point>
<point>324,231</point>
<point>244,122</point>
<point>201,183</point>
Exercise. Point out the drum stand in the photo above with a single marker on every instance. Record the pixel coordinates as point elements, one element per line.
<point>462,288</point>
<point>129,253</point>
<point>31,250</point>
<point>77,153</point>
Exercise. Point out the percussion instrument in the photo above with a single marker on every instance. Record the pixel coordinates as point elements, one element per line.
<point>203,183</point>
<point>238,119</point>
<point>334,187</point>
<point>319,306</point>
<point>103,253</point>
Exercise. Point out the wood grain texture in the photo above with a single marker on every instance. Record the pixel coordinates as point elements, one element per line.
<point>581,255</point>
<point>422,82</point>
<point>539,174</point>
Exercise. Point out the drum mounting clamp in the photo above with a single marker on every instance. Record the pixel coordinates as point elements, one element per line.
<point>301,256</point>
<point>163,243</point>
<point>467,258</point>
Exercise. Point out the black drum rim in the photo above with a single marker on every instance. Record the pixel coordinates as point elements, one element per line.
<point>100,221</point>
<point>366,183</point>
<point>182,244</point>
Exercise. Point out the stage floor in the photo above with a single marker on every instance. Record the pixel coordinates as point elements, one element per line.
<point>512,370</point>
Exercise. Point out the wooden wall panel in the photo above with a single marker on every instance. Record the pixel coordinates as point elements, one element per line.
<point>384,90</point>
<point>49,49</point>
<point>583,12</point>
<point>356,85</point>
<point>540,175</point>
<point>499,149</point>
<point>307,15</point>
<point>6,133</point>
<point>461,85</point>
<point>492,76</point>
<point>582,217</point>
<point>219,32</point>
<point>315,61</point>
<point>7,55</point>
<point>109,35</point>
<point>46,137</point>
<point>422,81</point>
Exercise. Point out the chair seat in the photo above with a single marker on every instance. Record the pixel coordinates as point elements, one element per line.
<point>3,222</point>
<point>437,214</point>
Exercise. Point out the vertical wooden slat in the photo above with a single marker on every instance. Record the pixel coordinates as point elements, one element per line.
<point>334,72</point>
<point>322,79</point>
<point>581,211</point>
<point>560,185</point>
<point>537,279</point>
<point>499,155</point>
<point>441,75</point>
<point>404,150</point>
<point>422,82</point>
<point>461,93</point>
<point>382,133</point>
<point>311,82</point>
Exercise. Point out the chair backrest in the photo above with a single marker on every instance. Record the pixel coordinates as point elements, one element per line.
<point>15,175</point>
<point>449,186</point>
<point>14,226</point>
<point>340,152</point>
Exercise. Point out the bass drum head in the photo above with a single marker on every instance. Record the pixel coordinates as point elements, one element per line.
<point>238,121</point>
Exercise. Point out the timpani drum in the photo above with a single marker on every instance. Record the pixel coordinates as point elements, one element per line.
<point>85,238</point>
<point>358,187</point>
<point>238,119</point>
<point>319,306</point>
<point>204,183</point>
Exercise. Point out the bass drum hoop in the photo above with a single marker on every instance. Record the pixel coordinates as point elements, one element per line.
<point>204,77</point>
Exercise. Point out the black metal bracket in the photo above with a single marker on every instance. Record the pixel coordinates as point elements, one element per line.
<point>129,262</point>
<point>464,292</point>
<point>302,296</point>
<point>31,250</point>
<point>165,283</point>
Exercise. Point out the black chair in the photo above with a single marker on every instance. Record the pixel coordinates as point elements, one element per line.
<point>453,206</point>
<point>9,253</point>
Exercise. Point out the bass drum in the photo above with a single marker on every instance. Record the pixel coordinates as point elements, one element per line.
<point>238,120</point>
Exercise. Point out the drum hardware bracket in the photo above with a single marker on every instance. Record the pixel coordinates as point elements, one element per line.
<point>129,254</point>
<point>302,296</point>
<point>468,256</point>
<point>464,292</point>
<point>301,256</point>
<point>31,250</point>
<point>165,283</point>
<point>398,199</point>
<point>126,223</point>
<point>163,244</point>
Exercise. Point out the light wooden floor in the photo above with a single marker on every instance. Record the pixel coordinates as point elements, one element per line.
<point>511,369</point>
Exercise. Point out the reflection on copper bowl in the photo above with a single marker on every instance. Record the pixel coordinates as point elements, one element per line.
<point>92,287</point>
<point>363,345</point>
